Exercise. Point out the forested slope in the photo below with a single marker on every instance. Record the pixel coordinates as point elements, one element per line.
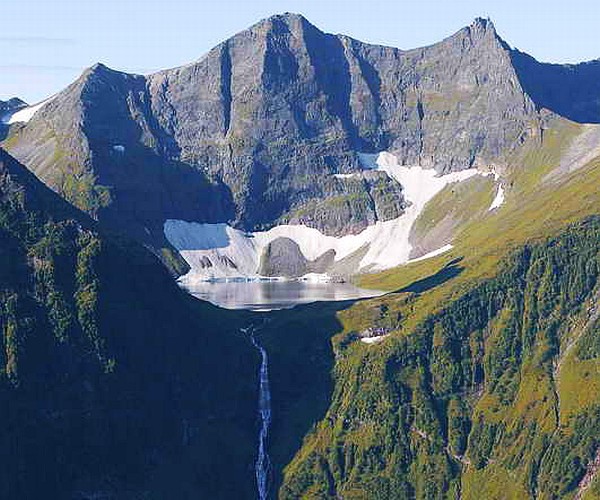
<point>494,396</point>
<point>112,381</point>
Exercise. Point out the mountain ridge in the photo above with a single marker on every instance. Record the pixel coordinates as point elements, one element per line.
<point>256,132</point>
<point>309,100</point>
<point>475,376</point>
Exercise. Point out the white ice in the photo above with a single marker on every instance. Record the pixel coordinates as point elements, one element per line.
<point>433,253</point>
<point>346,176</point>
<point>373,340</point>
<point>316,278</point>
<point>387,242</point>
<point>25,114</point>
<point>498,200</point>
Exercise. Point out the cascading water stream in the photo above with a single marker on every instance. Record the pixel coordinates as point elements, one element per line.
<point>263,464</point>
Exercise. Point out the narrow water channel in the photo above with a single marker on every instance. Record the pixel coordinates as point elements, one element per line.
<point>263,464</point>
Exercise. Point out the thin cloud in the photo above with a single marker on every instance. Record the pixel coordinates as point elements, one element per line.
<point>36,40</point>
<point>38,67</point>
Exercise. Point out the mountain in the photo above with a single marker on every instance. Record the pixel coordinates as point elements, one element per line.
<point>113,382</point>
<point>7,110</point>
<point>257,132</point>
<point>571,90</point>
<point>10,106</point>
<point>476,375</point>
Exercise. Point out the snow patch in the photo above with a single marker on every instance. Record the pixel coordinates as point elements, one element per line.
<point>23,115</point>
<point>498,200</point>
<point>433,253</point>
<point>346,176</point>
<point>373,340</point>
<point>315,278</point>
<point>218,250</point>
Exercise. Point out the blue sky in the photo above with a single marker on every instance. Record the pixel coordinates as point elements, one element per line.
<point>45,44</point>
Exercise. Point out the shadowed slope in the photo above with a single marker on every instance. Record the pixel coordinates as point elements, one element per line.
<point>113,382</point>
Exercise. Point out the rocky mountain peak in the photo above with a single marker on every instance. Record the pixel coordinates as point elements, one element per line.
<point>481,33</point>
<point>286,22</point>
<point>483,25</point>
<point>15,102</point>
<point>101,71</point>
<point>264,124</point>
<point>289,18</point>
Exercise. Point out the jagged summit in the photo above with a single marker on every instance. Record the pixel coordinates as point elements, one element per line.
<point>480,31</point>
<point>262,123</point>
<point>257,132</point>
<point>98,67</point>
<point>287,17</point>
<point>286,21</point>
<point>483,23</point>
<point>101,69</point>
<point>482,27</point>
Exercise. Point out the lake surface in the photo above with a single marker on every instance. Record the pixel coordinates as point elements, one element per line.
<point>271,295</point>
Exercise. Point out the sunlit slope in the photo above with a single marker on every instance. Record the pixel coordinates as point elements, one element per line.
<point>493,396</point>
<point>537,205</point>
<point>486,386</point>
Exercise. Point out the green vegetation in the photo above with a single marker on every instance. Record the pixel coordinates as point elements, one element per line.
<point>112,379</point>
<point>81,188</point>
<point>456,205</point>
<point>173,261</point>
<point>467,399</point>
<point>487,386</point>
<point>533,211</point>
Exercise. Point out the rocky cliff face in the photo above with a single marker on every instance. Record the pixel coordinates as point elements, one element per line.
<point>255,131</point>
<point>571,90</point>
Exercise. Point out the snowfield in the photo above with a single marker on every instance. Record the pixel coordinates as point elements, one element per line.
<point>373,340</point>
<point>23,115</point>
<point>498,200</point>
<point>218,250</point>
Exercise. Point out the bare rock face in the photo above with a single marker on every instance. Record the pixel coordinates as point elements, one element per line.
<point>283,257</point>
<point>571,90</point>
<point>253,133</point>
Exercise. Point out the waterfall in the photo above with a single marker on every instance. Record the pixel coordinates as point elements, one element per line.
<point>263,464</point>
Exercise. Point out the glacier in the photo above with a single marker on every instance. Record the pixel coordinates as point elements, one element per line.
<point>220,251</point>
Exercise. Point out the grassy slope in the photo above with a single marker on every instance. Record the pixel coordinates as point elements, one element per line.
<point>455,206</point>
<point>362,446</point>
<point>471,400</point>
<point>531,212</point>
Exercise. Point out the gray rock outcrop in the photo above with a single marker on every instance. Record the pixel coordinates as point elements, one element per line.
<point>283,257</point>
